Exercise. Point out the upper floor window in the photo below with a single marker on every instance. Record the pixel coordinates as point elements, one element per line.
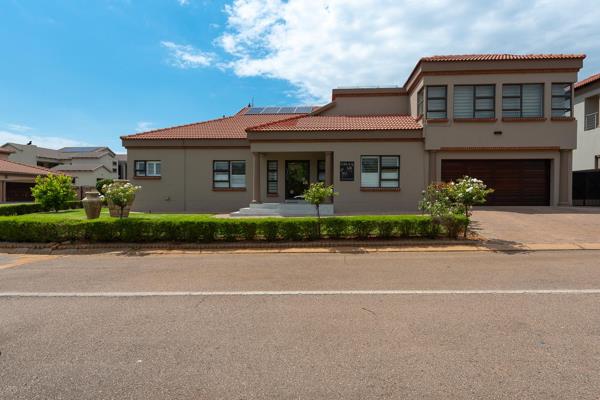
<point>147,168</point>
<point>474,101</point>
<point>436,102</point>
<point>380,171</point>
<point>229,174</point>
<point>561,100</point>
<point>523,101</point>
<point>420,103</point>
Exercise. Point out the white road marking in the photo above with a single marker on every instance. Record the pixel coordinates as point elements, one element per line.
<point>298,293</point>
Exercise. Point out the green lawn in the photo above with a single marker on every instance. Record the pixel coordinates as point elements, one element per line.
<point>80,215</point>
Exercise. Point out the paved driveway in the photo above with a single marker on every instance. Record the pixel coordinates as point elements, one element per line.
<point>538,224</point>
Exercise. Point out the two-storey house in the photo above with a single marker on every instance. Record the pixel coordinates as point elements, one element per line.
<point>87,165</point>
<point>506,119</point>
<point>587,112</point>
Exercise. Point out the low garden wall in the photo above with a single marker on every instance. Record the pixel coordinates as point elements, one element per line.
<point>209,229</point>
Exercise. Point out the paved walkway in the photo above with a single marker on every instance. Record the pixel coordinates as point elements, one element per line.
<point>538,225</point>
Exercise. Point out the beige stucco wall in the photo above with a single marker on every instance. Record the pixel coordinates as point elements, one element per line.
<point>186,181</point>
<point>365,105</point>
<point>588,142</point>
<point>546,133</point>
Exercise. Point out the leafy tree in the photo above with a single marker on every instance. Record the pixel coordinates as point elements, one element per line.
<point>101,183</point>
<point>53,192</point>
<point>120,194</point>
<point>317,194</point>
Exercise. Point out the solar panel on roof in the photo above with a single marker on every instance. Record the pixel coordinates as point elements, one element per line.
<point>287,110</point>
<point>303,109</point>
<point>271,110</point>
<point>78,149</point>
<point>254,110</point>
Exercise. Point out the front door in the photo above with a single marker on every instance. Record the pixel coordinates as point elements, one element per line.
<point>297,177</point>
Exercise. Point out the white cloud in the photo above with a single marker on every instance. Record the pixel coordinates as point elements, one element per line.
<point>52,142</point>
<point>19,127</point>
<point>186,56</point>
<point>143,126</point>
<point>183,2</point>
<point>319,44</point>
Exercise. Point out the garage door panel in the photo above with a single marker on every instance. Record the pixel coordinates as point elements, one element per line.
<point>516,182</point>
<point>18,191</point>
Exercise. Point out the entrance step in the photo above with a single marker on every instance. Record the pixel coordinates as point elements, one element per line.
<point>283,210</point>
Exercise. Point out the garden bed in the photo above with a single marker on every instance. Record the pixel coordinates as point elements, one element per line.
<point>71,226</point>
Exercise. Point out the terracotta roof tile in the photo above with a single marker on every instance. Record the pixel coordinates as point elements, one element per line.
<point>233,127</point>
<point>6,151</point>
<point>502,57</point>
<point>23,169</point>
<point>321,123</point>
<point>587,81</point>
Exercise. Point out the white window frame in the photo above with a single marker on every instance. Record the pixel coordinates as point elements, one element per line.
<point>154,171</point>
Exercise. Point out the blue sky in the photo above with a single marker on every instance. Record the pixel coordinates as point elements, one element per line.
<point>85,72</point>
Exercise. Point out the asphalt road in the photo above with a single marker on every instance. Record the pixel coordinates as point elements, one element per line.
<point>458,344</point>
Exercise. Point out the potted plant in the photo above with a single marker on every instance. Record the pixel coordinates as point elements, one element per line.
<point>120,196</point>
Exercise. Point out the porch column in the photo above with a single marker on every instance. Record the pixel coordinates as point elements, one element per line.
<point>256,177</point>
<point>432,166</point>
<point>565,178</point>
<point>328,168</point>
<point>2,191</point>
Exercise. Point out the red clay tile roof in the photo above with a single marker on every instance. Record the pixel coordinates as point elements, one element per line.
<point>233,127</point>
<point>492,57</point>
<point>6,151</point>
<point>587,81</point>
<point>321,123</point>
<point>12,167</point>
<point>503,57</point>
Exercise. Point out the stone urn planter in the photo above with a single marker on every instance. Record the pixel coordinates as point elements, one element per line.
<point>92,204</point>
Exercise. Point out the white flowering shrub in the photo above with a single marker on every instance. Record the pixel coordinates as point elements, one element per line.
<point>120,194</point>
<point>442,200</point>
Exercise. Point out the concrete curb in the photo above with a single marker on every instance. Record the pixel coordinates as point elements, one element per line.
<point>325,246</point>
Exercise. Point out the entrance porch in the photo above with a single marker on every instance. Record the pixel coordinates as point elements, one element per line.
<point>279,180</point>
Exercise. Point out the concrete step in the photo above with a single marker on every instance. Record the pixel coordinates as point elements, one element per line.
<point>283,209</point>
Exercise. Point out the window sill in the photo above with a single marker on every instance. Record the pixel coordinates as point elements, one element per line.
<point>482,120</point>
<point>272,194</point>
<point>147,177</point>
<point>564,119</point>
<point>368,189</point>
<point>229,189</point>
<point>524,119</point>
<point>437,120</point>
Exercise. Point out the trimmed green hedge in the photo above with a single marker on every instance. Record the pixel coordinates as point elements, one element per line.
<point>30,208</point>
<point>20,229</point>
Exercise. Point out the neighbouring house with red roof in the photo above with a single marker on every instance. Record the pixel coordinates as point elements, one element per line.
<point>506,119</point>
<point>16,179</point>
<point>587,112</point>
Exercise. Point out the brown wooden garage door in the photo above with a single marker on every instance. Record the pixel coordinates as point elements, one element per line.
<point>516,182</point>
<point>18,191</point>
